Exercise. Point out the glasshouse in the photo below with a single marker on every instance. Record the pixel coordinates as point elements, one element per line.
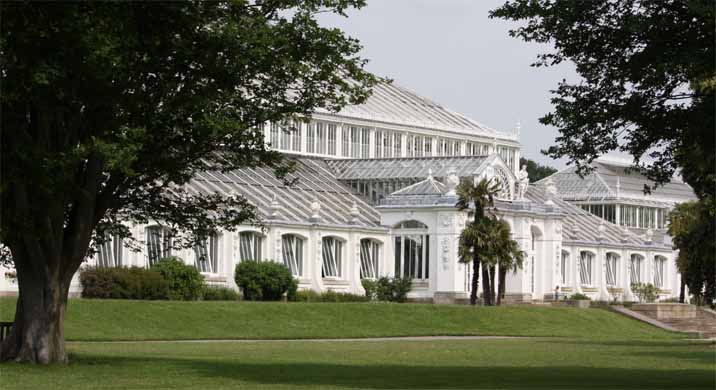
<point>375,196</point>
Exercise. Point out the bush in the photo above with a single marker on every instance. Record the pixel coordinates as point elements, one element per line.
<point>370,286</point>
<point>645,292</point>
<point>220,293</point>
<point>185,281</point>
<point>393,289</point>
<point>328,296</point>
<point>265,280</point>
<point>123,283</point>
<point>579,297</point>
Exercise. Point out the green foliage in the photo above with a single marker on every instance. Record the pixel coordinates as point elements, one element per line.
<point>123,283</point>
<point>328,296</point>
<point>692,227</point>
<point>646,84</point>
<point>370,286</point>
<point>579,297</point>
<point>646,292</point>
<point>536,171</point>
<point>220,293</point>
<point>393,289</point>
<point>265,280</point>
<point>185,281</point>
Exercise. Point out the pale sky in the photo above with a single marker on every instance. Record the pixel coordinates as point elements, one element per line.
<point>451,52</point>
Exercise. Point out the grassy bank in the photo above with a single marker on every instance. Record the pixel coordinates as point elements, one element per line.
<point>94,320</point>
<point>504,364</point>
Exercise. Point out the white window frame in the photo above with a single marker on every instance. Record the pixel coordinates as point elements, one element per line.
<point>586,268</point>
<point>370,255</point>
<point>256,246</point>
<point>161,244</point>
<point>109,253</point>
<point>638,276</point>
<point>208,255</point>
<point>611,269</point>
<point>293,249</point>
<point>418,268</point>
<point>332,257</point>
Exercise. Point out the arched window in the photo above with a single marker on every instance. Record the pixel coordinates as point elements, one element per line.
<point>636,264</point>
<point>110,252</point>
<point>332,249</point>
<point>207,255</point>
<point>564,267</point>
<point>586,264</point>
<point>612,262</point>
<point>412,250</point>
<point>250,246</point>
<point>659,270</point>
<point>292,253</point>
<point>369,258</point>
<point>159,243</point>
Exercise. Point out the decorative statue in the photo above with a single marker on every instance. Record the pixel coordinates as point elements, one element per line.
<point>524,182</point>
<point>451,181</point>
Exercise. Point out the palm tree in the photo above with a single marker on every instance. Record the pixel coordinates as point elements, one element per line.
<point>508,253</point>
<point>475,238</point>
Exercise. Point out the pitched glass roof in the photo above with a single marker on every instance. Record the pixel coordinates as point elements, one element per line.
<point>391,103</point>
<point>315,182</point>
<point>610,181</point>
<point>404,168</point>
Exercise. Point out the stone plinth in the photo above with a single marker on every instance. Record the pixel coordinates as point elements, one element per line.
<point>449,298</point>
<point>665,311</point>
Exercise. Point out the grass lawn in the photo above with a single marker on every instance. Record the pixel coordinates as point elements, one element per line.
<point>92,320</point>
<point>506,364</point>
<point>593,348</point>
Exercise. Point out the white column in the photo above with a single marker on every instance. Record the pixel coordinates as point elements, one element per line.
<point>339,139</point>
<point>371,143</point>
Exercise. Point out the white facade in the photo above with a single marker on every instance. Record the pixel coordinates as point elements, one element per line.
<point>369,206</point>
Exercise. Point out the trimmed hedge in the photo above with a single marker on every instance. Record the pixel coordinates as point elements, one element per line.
<point>123,283</point>
<point>185,281</point>
<point>265,280</point>
<point>393,289</point>
<point>329,296</point>
<point>220,293</point>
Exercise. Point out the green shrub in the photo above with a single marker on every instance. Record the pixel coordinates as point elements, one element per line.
<point>370,286</point>
<point>220,293</point>
<point>579,297</point>
<point>185,281</point>
<point>646,292</point>
<point>328,296</point>
<point>123,283</point>
<point>393,289</point>
<point>265,280</point>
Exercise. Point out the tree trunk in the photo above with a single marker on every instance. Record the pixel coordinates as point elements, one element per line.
<point>682,293</point>
<point>492,285</point>
<point>475,280</point>
<point>486,298</point>
<point>37,335</point>
<point>501,287</point>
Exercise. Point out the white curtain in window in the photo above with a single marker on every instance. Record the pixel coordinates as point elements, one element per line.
<point>292,250</point>
<point>158,243</point>
<point>659,265</point>
<point>249,246</point>
<point>635,268</point>
<point>369,252</point>
<point>611,269</point>
<point>585,268</point>
<point>206,255</point>
<point>331,257</point>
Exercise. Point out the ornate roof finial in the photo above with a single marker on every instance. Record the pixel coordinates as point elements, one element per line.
<point>619,186</point>
<point>451,181</point>
<point>354,213</point>
<point>430,173</point>
<point>518,129</point>
<point>315,210</point>
<point>274,207</point>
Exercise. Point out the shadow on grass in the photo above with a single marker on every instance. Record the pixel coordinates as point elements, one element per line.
<point>418,377</point>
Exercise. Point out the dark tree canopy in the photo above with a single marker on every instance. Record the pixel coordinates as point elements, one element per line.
<point>109,108</point>
<point>536,171</point>
<point>647,81</point>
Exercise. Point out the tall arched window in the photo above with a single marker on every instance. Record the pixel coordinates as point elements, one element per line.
<point>612,262</point>
<point>250,246</point>
<point>159,243</point>
<point>207,255</point>
<point>109,253</point>
<point>564,263</point>
<point>659,271</point>
<point>412,250</point>
<point>636,265</point>
<point>586,264</point>
<point>292,253</point>
<point>332,249</point>
<point>369,259</point>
